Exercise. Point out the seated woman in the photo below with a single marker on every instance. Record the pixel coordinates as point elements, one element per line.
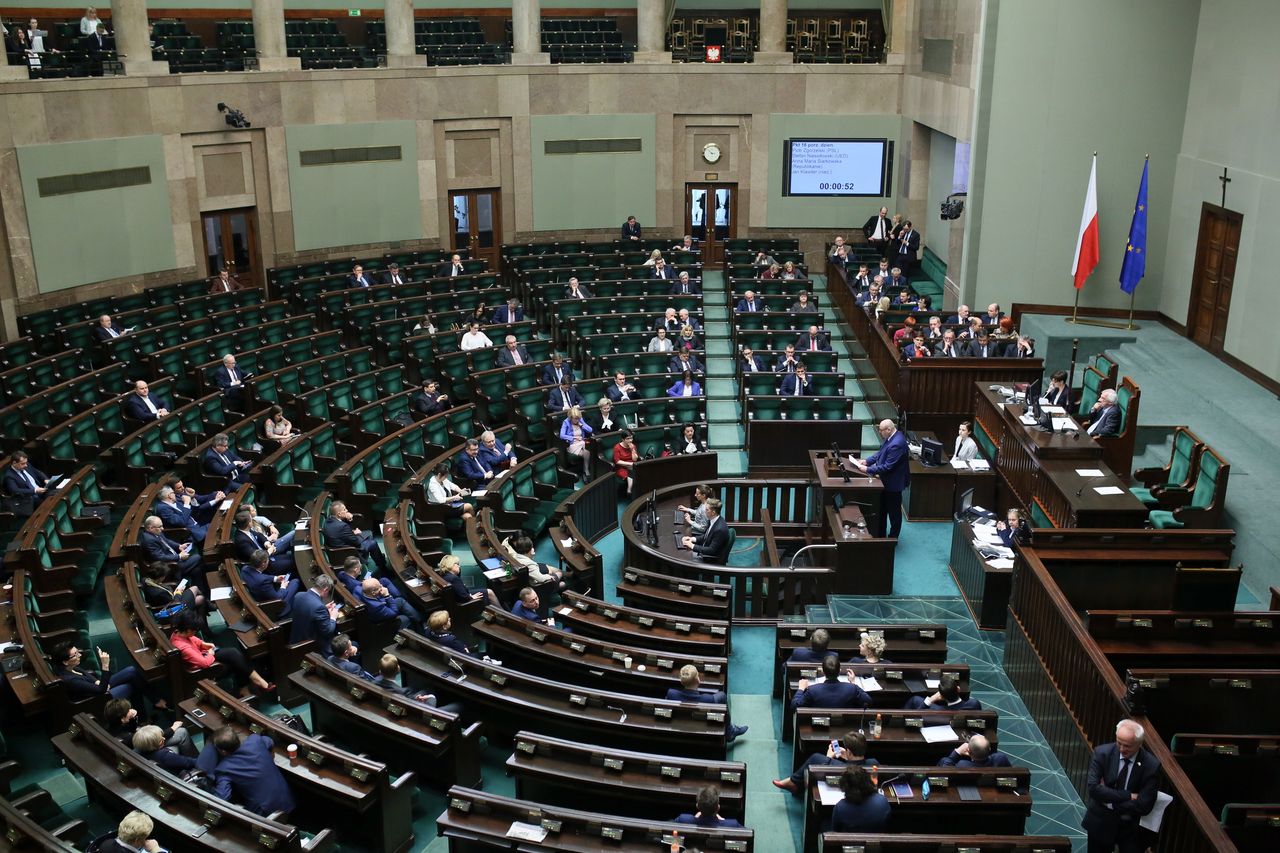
<point>966,448</point>
<point>199,654</point>
<point>687,340</point>
<point>871,649</point>
<point>605,421</point>
<point>686,387</point>
<point>574,432</point>
<point>688,441</point>
<point>624,459</point>
<point>162,596</point>
<point>654,257</point>
<point>1010,527</point>
<point>789,272</point>
<point>522,552</point>
<point>660,342</point>
<point>444,492</point>
<point>772,271</point>
<point>148,742</point>
<point>424,326</point>
<point>864,808</point>
<point>696,516</point>
<point>277,427</point>
<point>440,630</point>
<point>450,570</point>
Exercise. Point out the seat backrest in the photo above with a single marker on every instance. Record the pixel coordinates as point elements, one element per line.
<point>1206,480</point>
<point>1123,397</point>
<point>1090,389</point>
<point>1184,450</point>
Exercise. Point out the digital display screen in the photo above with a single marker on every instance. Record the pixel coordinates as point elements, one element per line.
<point>837,167</point>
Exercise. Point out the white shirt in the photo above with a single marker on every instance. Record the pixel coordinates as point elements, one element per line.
<point>111,330</point>
<point>150,405</point>
<point>475,340</point>
<point>686,391</point>
<point>441,492</point>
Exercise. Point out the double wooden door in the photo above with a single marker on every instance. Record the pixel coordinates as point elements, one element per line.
<point>711,217</point>
<point>477,223</point>
<point>1214,274</point>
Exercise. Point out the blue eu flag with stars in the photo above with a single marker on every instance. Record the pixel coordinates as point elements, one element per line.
<point>1135,251</point>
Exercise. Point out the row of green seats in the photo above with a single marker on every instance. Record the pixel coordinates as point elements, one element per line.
<point>38,324</point>
<point>531,491</point>
<point>332,402</point>
<point>282,385</point>
<point>40,375</point>
<point>774,408</point>
<point>177,361</point>
<point>84,334</point>
<point>22,421</point>
<point>133,461</point>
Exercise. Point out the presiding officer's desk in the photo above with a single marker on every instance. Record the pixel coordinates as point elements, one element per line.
<point>934,493</point>
<point>1003,808</point>
<point>1040,467</point>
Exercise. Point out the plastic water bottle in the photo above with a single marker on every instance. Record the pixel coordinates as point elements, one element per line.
<point>878,726</point>
<point>675,842</point>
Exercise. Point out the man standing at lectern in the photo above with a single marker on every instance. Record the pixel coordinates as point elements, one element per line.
<point>892,464</point>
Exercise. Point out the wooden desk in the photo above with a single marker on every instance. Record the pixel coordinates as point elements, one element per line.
<point>905,642</point>
<point>650,474</point>
<point>861,490</point>
<point>776,445</point>
<point>679,597</point>
<point>1185,638</point>
<point>900,741</point>
<point>984,587</point>
<point>863,563</point>
<point>1001,810</point>
<point>1040,468</point>
<point>898,683</point>
<point>835,842</point>
<point>934,493</point>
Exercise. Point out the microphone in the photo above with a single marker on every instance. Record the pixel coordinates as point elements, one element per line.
<point>862,716</point>
<point>880,787</point>
<point>620,711</point>
<point>462,673</point>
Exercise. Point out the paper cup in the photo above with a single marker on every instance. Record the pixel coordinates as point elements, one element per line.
<point>292,749</point>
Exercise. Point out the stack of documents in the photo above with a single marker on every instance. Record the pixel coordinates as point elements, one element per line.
<point>939,734</point>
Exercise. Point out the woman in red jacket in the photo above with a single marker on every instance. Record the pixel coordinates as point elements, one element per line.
<point>198,654</point>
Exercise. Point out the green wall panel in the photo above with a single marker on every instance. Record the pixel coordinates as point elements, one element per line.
<point>942,168</point>
<point>807,212</point>
<point>85,237</point>
<point>354,203</point>
<point>593,190</point>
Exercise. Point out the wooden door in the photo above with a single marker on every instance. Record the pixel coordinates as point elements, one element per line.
<point>1213,276</point>
<point>231,240</point>
<point>477,223</point>
<point>711,217</point>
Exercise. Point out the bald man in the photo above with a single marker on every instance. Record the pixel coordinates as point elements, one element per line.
<point>892,464</point>
<point>975,752</point>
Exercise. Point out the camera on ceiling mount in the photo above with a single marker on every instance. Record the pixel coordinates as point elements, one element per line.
<point>953,206</point>
<point>233,117</point>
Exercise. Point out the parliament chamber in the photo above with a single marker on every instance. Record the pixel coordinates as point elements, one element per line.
<point>635,427</point>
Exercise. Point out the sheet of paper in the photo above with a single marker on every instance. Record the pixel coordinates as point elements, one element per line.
<point>1090,472</point>
<point>869,684</point>
<point>479,493</point>
<point>225,505</point>
<point>414,582</point>
<point>986,533</point>
<point>979,465</point>
<point>939,734</point>
<point>494,574</point>
<point>933,683</point>
<point>1055,410</point>
<point>567,543</point>
<point>1108,490</point>
<point>1152,819</point>
<point>959,463</point>
<point>297,548</point>
<point>1001,563</point>
<point>498,475</point>
<point>1065,425</point>
<point>1029,420</point>
<point>220,593</point>
<point>526,832</point>
<point>565,611</point>
<point>829,793</point>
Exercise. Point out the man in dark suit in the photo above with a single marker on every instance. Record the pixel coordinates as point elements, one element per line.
<point>555,371</point>
<point>221,461</point>
<point>908,246</point>
<point>472,468</point>
<point>1104,417</point>
<point>984,347</point>
<point>892,464</point>
<point>576,290</point>
<point>960,318</point>
<point>429,401</point>
<point>105,331</point>
<point>878,228</point>
<point>393,275</point>
<point>1059,393</point>
<point>338,533</point>
<point>264,585</point>
<point>358,278</point>
<point>749,303</point>
<point>748,362</point>
<point>203,507</point>
<point>788,361</point>
<point>225,282</point>
<point>453,269</point>
<point>345,657</point>
<point>817,649</point>
<point>683,361</point>
<point>631,229</point>
<point>661,270</point>
<point>861,282</point>
<point>831,692</point>
<point>526,605</point>
<point>896,282</point>
<point>712,545</point>
<point>1023,347</point>
<point>947,698</point>
<point>668,321</point>
<point>230,379</point>
<point>24,485</point>
<point>563,397</point>
<point>512,353</point>
<point>1124,778</point>
<point>621,389</point>
<point>247,540</point>
<point>690,691</point>
<point>994,315</point>
<point>175,512</point>
<point>948,348</point>
<point>852,749</point>
<point>141,406</point>
<point>245,772</point>
<point>314,615</point>
<point>813,341</point>
<point>95,42</point>
<point>511,312</point>
<point>158,548</point>
<point>797,384</point>
<point>683,285</point>
<point>975,752</point>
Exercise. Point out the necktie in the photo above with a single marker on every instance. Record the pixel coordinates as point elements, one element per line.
<point>235,377</point>
<point>519,360</point>
<point>1124,774</point>
<point>111,331</point>
<point>31,480</point>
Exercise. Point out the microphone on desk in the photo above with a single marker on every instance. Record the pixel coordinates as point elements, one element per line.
<point>462,673</point>
<point>881,786</point>
<point>1087,481</point>
<point>620,711</point>
<point>862,716</point>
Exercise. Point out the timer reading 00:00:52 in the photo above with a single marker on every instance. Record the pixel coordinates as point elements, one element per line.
<point>836,186</point>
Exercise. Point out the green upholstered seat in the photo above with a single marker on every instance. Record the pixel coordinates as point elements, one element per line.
<point>1201,497</point>
<point>1184,449</point>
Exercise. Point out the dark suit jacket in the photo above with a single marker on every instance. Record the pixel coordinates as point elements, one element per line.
<point>447,271</point>
<point>789,386</point>
<point>995,759</point>
<point>215,284</point>
<point>449,641</point>
<point>1108,420</point>
<point>177,515</point>
<point>974,350</point>
<point>94,43</point>
<point>677,367</point>
<point>549,374</point>
<point>831,694</point>
<point>892,463</point>
<point>503,315</point>
<point>15,484</point>
<point>472,470</point>
<point>262,586</point>
<point>246,542</point>
<point>583,293</point>
<point>248,776</point>
<point>555,400</point>
<point>958,350</point>
<point>137,410</point>
<point>1060,397</point>
<point>755,365</point>
<point>667,272</point>
<point>909,351</point>
<point>424,405</point>
<point>629,230</point>
<point>679,694</point>
<point>614,393</point>
<point>311,622</point>
<point>102,334</point>
<point>1105,786</point>
<point>869,227</point>
<point>339,533</point>
<point>713,544</point>
<point>158,547</point>
<point>802,343</point>
<point>694,287</point>
<point>505,359</point>
<point>214,465</point>
<point>367,280</point>
<point>744,307</point>
<point>386,279</point>
<point>912,244</point>
<point>84,683</point>
<point>222,378</point>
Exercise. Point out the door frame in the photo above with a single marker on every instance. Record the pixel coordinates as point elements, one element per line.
<point>708,251</point>
<point>493,254</point>
<point>254,275</point>
<point>1209,212</point>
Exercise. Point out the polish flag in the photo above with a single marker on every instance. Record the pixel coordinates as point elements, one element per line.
<point>1086,256</point>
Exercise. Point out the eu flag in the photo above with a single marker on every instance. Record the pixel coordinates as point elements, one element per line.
<point>1135,251</point>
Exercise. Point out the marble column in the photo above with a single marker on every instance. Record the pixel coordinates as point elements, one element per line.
<point>398,16</point>
<point>268,37</point>
<point>526,33</point>
<point>651,32</point>
<point>133,43</point>
<point>773,33</point>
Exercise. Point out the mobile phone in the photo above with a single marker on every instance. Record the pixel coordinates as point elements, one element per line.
<point>197,713</point>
